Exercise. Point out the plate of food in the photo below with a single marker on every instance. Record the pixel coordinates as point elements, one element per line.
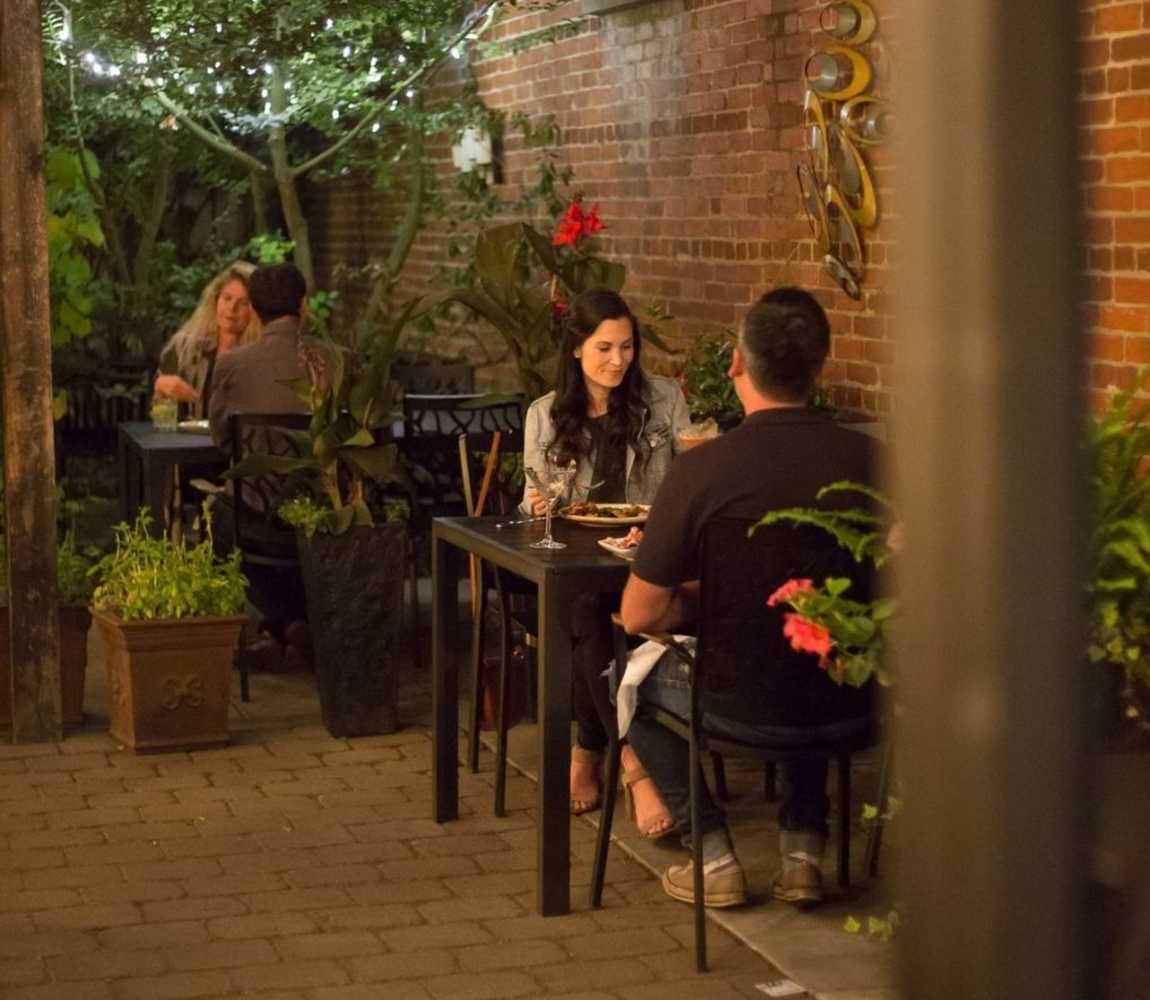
<point>625,546</point>
<point>599,515</point>
<point>194,427</point>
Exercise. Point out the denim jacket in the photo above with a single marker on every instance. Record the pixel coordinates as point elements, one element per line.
<point>666,414</point>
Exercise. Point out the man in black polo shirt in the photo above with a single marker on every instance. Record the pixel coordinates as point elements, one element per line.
<point>779,456</point>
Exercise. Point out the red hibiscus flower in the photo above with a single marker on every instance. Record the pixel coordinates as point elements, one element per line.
<point>808,637</point>
<point>577,224</point>
<point>789,589</point>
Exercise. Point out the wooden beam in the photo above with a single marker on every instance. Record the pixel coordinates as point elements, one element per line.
<point>991,651</point>
<point>26,353</point>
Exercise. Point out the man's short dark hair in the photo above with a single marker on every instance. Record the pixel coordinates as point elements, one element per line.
<point>276,290</point>
<point>785,340</point>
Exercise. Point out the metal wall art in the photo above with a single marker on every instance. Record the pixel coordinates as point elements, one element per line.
<point>839,117</point>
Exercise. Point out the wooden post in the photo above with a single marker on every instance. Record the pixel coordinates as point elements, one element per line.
<point>990,648</point>
<point>26,354</point>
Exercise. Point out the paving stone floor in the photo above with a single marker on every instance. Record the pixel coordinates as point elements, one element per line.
<point>294,866</point>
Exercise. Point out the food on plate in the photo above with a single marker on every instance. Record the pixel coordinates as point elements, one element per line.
<point>617,510</point>
<point>630,540</point>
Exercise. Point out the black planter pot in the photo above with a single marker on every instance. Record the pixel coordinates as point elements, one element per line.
<point>354,588</point>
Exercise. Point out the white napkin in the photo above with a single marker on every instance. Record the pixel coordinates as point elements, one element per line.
<point>639,664</point>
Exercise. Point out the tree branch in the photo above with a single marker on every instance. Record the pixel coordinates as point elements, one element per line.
<point>220,145</point>
<point>414,214</point>
<point>477,22</point>
<point>155,217</point>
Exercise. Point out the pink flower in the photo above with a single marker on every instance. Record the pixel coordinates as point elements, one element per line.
<point>808,637</point>
<point>789,589</point>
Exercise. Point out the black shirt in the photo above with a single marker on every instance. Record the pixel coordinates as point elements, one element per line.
<point>774,458</point>
<point>610,466</point>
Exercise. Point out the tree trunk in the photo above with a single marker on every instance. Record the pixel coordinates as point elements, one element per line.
<point>259,203</point>
<point>26,350</point>
<point>294,218</point>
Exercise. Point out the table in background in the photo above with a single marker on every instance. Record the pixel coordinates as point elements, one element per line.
<point>560,575</point>
<point>147,457</point>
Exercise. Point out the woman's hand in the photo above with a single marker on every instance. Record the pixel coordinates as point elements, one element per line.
<point>535,499</point>
<point>174,387</point>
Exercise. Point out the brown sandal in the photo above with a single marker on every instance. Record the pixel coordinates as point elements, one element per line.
<point>657,825</point>
<point>592,759</point>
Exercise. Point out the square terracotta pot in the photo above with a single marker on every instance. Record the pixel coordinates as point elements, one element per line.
<point>74,625</point>
<point>169,680</point>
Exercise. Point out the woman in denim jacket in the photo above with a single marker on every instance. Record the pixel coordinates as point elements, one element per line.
<point>620,427</point>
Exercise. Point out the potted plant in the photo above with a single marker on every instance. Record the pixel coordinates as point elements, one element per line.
<point>352,540</point>
<point>169,617</point>
<point>710,393</point>
<point>74,590</point>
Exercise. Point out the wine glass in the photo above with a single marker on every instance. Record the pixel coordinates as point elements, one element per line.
<point>552,481</point>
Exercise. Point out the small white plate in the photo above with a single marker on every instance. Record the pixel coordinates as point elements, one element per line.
<point>194,427</point>
<point>627,554</point>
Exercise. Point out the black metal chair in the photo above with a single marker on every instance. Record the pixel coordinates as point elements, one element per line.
<point>267,546</point>
<point>499,478</point>
<point>743,664</point>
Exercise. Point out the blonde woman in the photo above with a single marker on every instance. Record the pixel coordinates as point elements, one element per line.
<point>224,319</point>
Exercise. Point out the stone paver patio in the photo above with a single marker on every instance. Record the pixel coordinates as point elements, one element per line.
<point>294,866</point>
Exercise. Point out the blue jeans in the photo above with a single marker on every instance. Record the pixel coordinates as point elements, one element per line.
<point>666,756</point>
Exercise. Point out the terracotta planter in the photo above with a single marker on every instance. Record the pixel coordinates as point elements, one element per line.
<point>169,680</point>
<point>354,588</point>
<point>74,625</point>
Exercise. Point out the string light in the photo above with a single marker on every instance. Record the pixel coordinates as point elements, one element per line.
<point>347,52</point>
<point>335,114</point>
<point>141,57</point>
<point>219,87</point>
<point>401,59</point>
<point>375,127</point>
<point>328,23</point>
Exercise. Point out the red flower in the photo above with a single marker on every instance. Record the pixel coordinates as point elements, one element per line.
<point>577,225</point>
<point>558,308</point>
<point>808,637</point>
<point>789,589</point>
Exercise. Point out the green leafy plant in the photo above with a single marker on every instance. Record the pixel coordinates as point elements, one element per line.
<point>352,399</point>
<point>309,516</point>
<point>1120,549</point>
<point>709,390</point>
<point>148,577</point>
<point>848,636</point>
<point>74,564</point>
<point>73,231</point>
<point>525,281</point>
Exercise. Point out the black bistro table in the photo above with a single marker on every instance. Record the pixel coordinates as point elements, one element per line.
<point>560,576</point>
<point>147,457</point>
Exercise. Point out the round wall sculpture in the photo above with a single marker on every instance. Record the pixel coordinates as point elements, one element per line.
<point>840,119</point>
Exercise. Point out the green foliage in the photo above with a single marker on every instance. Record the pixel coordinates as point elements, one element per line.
<point>1120,544</point>
<point>352,399</point>
<point>147,577</point>
<point>73,231</point>
<point>857,629</point>
<point>310,516</point>
<point>864,534</point>
<point>709,390</point>
<point>524,283</point>
<point>74,582</point>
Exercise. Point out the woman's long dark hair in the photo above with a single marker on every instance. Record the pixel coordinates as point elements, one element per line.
<point>626,404</point>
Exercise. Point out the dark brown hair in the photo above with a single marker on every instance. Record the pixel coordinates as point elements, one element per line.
<point>626,404</point>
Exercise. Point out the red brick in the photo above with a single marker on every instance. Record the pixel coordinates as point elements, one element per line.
<point>1119,17</point>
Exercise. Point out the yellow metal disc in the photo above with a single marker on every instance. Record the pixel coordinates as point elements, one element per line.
<point>845,74</point>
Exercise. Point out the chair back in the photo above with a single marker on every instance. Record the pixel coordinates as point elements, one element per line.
<point>746,669</point>
<point>431,429</point>
<point>259,533</point>
<point>492,467</point>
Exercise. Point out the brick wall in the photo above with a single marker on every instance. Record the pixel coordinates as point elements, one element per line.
<point>682,118</point>
<point>1116,174</point>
